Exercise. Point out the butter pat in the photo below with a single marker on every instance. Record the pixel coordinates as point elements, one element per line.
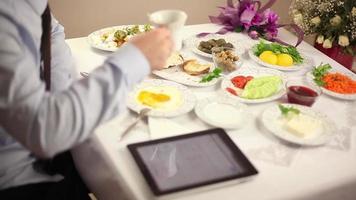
<point>303,125</point>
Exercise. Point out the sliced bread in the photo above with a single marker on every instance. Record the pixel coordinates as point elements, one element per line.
<point>193,67</point>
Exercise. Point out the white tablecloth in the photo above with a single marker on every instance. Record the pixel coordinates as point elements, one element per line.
<point>285,171</point>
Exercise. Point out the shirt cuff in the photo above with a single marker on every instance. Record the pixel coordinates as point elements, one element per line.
<point>131,61</point>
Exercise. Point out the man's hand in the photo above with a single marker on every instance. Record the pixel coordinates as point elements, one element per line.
<point>156,45</point>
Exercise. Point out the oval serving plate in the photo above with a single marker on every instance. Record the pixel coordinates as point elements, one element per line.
<point>193,42</point>
<point>273,121</point>
<point>222,112</point>
<point>255,72</point>
<point>97,41</point>
<point>307,62</point>
<point>350,97</point>
<point>186,96</point>
<point>177,74</point>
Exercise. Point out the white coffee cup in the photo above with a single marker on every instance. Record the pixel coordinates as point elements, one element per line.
<point>174,20</point>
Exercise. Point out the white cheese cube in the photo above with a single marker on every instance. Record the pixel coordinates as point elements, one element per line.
<point>303,125</point>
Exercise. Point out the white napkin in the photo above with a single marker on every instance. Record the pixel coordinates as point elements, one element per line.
<point>162,127</point>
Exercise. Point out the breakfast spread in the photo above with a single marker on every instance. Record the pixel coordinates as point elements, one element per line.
<point>247,84</point>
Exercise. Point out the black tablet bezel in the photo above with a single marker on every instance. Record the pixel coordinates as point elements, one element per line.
<point>238,155</point>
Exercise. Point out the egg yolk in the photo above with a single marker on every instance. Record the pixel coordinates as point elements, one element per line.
<point>284,60</point>
<point>152,99</point>
<point>269,57</point>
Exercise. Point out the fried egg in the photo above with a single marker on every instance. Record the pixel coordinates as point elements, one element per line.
<point>164,98</point>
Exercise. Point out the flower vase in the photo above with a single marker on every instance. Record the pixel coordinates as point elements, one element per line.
<point>337,54</point>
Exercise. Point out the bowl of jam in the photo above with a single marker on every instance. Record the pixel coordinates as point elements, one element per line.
<point>300,91</point>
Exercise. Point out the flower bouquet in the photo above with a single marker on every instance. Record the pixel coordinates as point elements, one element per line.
<point>250,17</point>
<point>333,21</point>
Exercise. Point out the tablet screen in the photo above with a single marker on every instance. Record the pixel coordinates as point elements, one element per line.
<point>188,161</point>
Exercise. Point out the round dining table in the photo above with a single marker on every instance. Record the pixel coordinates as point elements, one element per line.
<point>286,171</point>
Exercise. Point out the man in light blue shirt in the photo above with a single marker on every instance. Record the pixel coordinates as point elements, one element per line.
<point>35,123</point>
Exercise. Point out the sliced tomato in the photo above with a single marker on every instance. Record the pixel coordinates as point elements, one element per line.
<point>240,81</point>
<point>232,91</point>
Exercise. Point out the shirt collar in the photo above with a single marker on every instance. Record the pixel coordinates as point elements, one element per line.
<point>38,6</point>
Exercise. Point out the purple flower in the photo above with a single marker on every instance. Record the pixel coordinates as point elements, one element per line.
<point>272,17</point>
<point>243,5</point>
<point>244,14</point>
<point>272,23</point>
<point>253,34</point>
<point>251,17</point>
<point>259,19</point>
<point>247,15</point>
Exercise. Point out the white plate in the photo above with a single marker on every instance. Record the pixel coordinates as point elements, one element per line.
<point>222,112</point>
<point>255,72</point>
<point>351,97</point>
<point>188,99</point>
<point>178,75</point>
<point>95,39</point>
<point>273,121</point>
<point>193,43</point>
<point>305,63</point>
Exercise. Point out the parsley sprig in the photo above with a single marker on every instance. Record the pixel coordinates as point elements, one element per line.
<point>285,110</point>
<point>278,49</point>
<point>319,72</point>
<point>216,73</point>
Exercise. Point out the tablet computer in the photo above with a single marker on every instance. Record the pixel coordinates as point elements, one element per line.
<point>188,161</point>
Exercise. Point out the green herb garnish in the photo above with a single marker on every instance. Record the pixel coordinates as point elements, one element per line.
<point>120,35</point>
<point>147,27</point>
<point>216,73</point>
<point>278,49</point>
<point>133,30</point>
<point>319,72</point>
<point>285,110</point>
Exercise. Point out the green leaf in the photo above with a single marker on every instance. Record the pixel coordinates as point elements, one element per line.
<point>216,73</point>
<point>278,49</point>
<point>285,110</point>
<point>319,72</point>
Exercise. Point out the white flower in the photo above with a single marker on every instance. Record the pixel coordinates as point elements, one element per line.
<point>298,19</point>
<point>353,11</point>
<point>295,11</point>
<point>327,44</point>
<point>320,39</point>
<point>316,20</point>
<point>343,41</point>
<point>336,20</point>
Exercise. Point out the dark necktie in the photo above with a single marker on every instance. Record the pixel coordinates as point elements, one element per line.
<point>43,165</point>
<point>46,47</point>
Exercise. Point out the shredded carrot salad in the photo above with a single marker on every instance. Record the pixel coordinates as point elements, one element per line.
<point>339,83</point>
